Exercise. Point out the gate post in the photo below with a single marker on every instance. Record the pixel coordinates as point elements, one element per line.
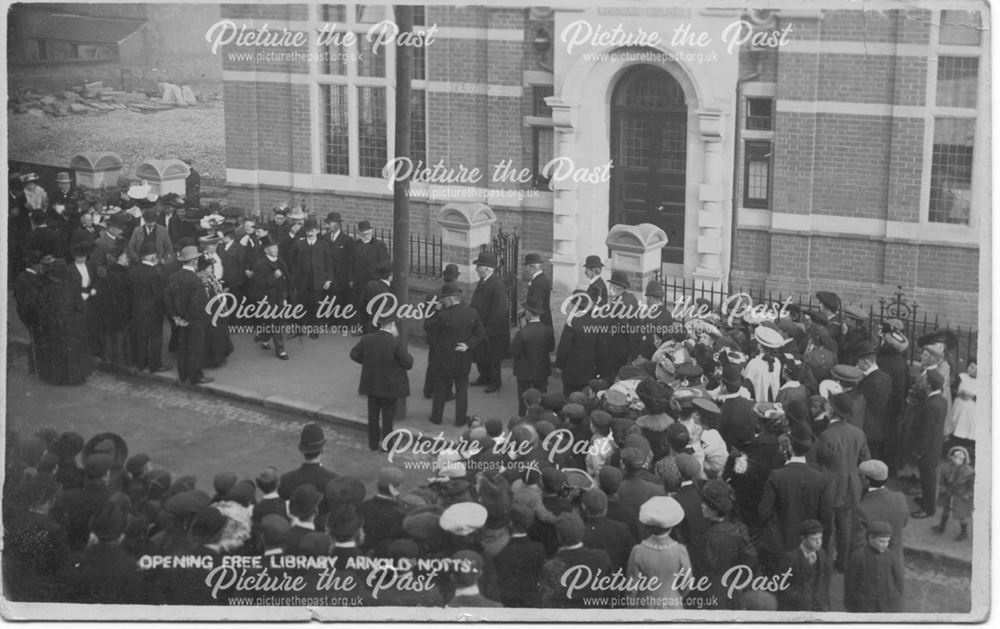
<point>465,228</point>
<point>636,250</point>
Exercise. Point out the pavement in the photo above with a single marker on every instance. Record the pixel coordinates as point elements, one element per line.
<point>320,382</point>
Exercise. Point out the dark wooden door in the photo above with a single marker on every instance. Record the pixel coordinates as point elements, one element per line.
<point>649,152</point>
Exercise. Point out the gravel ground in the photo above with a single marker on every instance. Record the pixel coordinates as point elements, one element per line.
<point>195,132</point>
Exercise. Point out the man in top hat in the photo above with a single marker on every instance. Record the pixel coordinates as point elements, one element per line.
<point>149,231</point>
<point>490,301</point>
<point>35,197</point>
<point>540,287</point>
<point>270,281</point>
<point>792,494</point>
<point>341,250</point>
<point>311,472</point>
<point>185,303</point>
<point>384,362</point>
<point>311,268</point>
<point>380,284</point>
<point>192,184</point>
<point>147,285</point>
<point>368,251</point>
<point>927,440</point>
<point>592,269</point>
<point>530,350</point>
<point>840,449</point>
<point>809,585</point>
<point>454,332</point>
<point>879,503</point>
<point>876,388</point>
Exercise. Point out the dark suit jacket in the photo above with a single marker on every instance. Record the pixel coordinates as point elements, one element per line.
<point>881,504</point>
<point>540,287</point>
<point>632,493</point>
<point>75,278</point>
<point>736,419</point>
<point>186,298</point>
<point>792,494</point>
<point>341,252</point>
<point>383,523</point>
<point>517,568</point>
<point>876,388</point>
<point>693,526</point>
<point>839,450</point>
<point>364,259</point>
<point>809,586</point>
<point>233,264</point>
<point>447,328</point>
<point>530,349</point>
<point>266,283</point>
<point>164,246</point>
<point>490,301</point>
<point>27,297</point>
<point>384,362</point>
<point>576,355</point>
<point>873,582</point>
<point>611,536</point>
<point>73,510</point>
<point>44,240</point>
<point>928,427</point>
<point>592,558</point>
<point>598,292</point>
<point>314,474</point>
<point>146,286</point>
<point>894,363</point>
<point>310,265</point>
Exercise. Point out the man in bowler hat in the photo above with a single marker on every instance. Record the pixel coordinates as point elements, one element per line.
<point>384,363</point>
<point>341,250</point>
<point>490,301</point>
<point>530,349</point>
<point>454,333</point>
<point>311,268</point>
<point>598,291</point>
<point>539,287</point>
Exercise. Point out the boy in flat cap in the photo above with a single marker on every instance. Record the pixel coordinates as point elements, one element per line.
<point>809,586</point>
<point>384,362</point>
<point>879,503</point>
<point>873,582</point>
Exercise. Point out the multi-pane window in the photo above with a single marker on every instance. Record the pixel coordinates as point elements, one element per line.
<point>542,142</point>
<point>757,174</point>
<point>355,91</point>
<point>372,130</point>
<point>539,107</point>
<point>951,170</point>
<point>758,147</point>
<point>960,28</point>
<point>335,155</point>
<point>759,114</point>
<point>956,81</point>
<point>418,126</point>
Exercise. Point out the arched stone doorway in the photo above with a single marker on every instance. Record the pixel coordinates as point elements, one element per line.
<point>649,151</point>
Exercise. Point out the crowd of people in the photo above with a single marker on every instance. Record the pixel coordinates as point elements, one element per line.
<point>99,280</point>
<point>679,454</point>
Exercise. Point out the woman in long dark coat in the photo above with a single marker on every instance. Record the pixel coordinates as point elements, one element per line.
<point>62,339</point>
<point>218,344</point>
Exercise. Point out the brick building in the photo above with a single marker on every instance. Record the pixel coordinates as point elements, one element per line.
<point>836,149</point>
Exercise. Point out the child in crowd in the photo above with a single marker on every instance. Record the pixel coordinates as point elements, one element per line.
<point>957,479</point>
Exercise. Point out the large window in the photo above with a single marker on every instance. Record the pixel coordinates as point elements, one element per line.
<point>953,117</point>
<point>356,95</point>
<point>758,149</point>
<point>542,136</point>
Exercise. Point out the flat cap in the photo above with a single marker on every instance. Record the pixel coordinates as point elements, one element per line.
<point>345,490</point>
<point>314,544</point>
<point>874,469</point>
<point>879,528</point>
<point>846,373</point>
<point>463,518</point>
<point>274,529</point>
<point>569,528</point>
<point>688,466</point>
<point>304,500</point>
<point>208,522</point>
<point>532,397</point>
<point>186,502</point>
<point>810,527</point>
<point>574,411</point>
<point>661,511</point>
<point>600,418</point>
<point>594,501</point>
<point>390,476</point>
